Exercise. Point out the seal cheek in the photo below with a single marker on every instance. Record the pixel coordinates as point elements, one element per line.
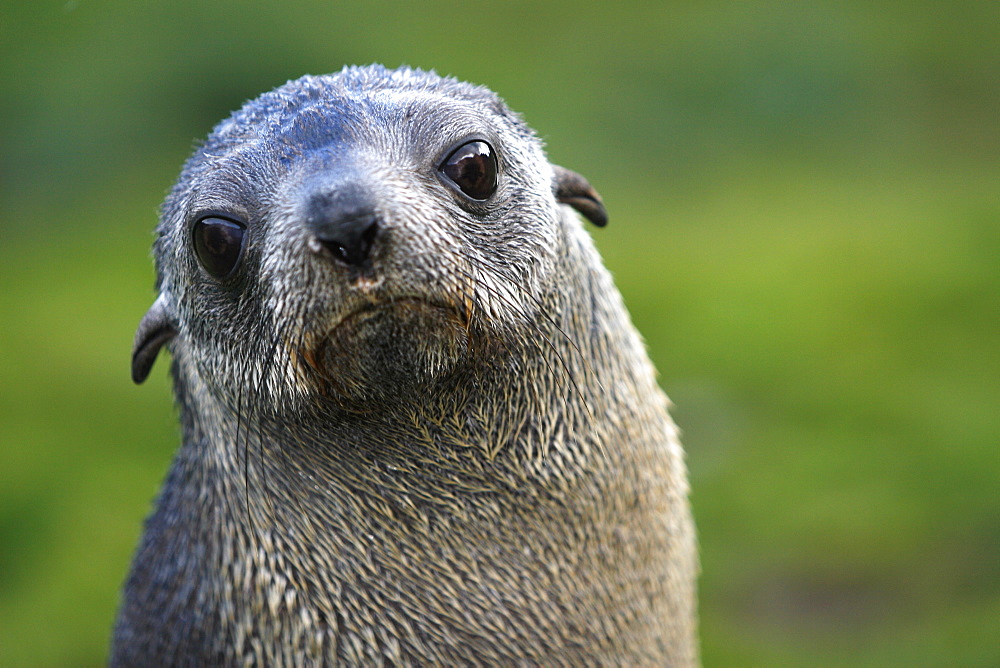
<point>391,350</point>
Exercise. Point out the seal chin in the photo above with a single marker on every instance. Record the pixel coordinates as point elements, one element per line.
<point>392,350</point>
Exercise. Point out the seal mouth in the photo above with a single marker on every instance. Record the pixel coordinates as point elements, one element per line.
<point>387,347</point>
<point>403,308</point>
<point>402,305</point>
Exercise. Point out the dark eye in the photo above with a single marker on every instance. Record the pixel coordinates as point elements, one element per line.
<point>473,168</point>
<point>218,243</point>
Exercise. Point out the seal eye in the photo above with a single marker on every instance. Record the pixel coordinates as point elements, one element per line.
<point>218,243</point>
<point>473,168</point>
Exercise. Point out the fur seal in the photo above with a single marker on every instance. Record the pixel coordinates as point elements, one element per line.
<point>418,424</point>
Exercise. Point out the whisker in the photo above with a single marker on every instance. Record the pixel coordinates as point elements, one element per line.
<point>290,369</point>
<point>541,310</point>
<point>519,310</point>
<point>240,416</point>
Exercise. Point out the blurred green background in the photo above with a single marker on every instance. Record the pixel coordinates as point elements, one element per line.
<point>805,222</point>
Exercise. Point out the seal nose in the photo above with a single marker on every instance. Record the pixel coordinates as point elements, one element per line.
<point>343,222</point>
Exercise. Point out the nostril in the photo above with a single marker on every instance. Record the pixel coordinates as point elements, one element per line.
<point>334,248</point>
<point>348,240</point>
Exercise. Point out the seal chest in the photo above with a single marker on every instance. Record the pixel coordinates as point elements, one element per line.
<point>418,425</point>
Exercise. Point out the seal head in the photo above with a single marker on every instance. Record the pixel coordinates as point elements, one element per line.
<point>378,223</point>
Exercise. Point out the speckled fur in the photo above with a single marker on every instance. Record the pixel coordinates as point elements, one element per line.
<point>516,495</point>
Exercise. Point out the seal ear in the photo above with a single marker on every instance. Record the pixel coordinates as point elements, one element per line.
<point>155,329</point>
<point>571,188</point>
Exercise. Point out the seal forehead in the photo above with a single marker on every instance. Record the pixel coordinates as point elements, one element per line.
<point>352,98</point>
